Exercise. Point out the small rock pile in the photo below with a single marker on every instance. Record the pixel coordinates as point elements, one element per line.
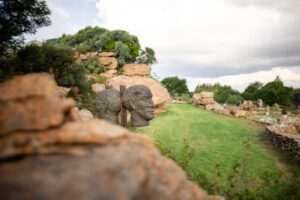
<point>67,159</point>
<point>206,99</point>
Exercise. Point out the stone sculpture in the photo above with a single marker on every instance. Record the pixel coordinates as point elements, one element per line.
<point>138,101</point>
<point>108,105</point>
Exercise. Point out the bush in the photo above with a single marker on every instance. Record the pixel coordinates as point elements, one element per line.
<point>234,99</point>
<point>93,66</point>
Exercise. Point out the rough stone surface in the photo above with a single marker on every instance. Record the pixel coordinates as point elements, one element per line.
<point>109,105</point>
<point>114,165</point>
<point>281,138</point>
<point>203,98</point>
<point>85,115</point>
<point>109,73</point>
<point>137,70</point>
<point>161,98</point>
<point>215,107</point>
<point>106,54</point>
<point>97,87</point>
<point>32,104</point>
<point>63,91</point>
<point>241,113</point>
<point>137,100</point>
<point>248,106</point>
<point>109,62</point>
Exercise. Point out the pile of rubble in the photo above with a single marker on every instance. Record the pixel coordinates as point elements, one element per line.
<point>63,158</point>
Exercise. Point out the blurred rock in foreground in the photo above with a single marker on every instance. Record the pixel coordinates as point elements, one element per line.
<point>81,160</point>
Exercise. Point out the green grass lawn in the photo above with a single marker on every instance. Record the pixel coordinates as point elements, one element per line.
<point>211,148</point>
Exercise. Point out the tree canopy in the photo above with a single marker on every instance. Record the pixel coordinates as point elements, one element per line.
<point>175,85</point>
<point>18,17</point>
<point>126,46</point>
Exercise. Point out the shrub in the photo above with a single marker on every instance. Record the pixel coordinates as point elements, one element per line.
<point>234,99</point>
<point>93,66</point>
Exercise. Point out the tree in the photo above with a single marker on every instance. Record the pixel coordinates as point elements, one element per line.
<point>296,97</point>
<point>275,92</point>
<point>250,92</point>
<point>126,46</point>
<point>18,17</point>
<point>175,85</point>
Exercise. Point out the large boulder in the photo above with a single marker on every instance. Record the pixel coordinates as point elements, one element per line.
<point>137,70</point>
<point>32,93</point>
<point>81,160</point>
<point>161,98</point>
<point>204,98</point>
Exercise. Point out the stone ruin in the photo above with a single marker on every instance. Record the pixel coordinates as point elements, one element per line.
<point>46,154</point>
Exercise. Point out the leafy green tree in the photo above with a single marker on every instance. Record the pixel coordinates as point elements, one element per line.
<point>18,17</point>
<point>175,85</point>
<point>250,92</point>
<point>147,56</point>
<point>234,99</point>
<point>126,46</point>
<point>275,92</point>
<point>296,97</point>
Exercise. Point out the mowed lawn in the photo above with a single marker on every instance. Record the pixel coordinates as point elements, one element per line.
<point>221,141</point>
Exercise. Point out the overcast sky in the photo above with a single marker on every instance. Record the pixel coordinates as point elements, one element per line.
<point>227,41</point>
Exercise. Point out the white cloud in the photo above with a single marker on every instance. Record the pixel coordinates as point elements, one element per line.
<point>290,77</point>
<point>200,38</point>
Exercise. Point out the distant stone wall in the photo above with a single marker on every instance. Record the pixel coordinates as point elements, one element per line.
<point>287,142</point>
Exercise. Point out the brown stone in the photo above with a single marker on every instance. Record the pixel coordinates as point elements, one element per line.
<point>85,115</point>
<point>83,57</point>
<point>97,87</point>
<point>215,107</point>
<point>31,102</point>
<point>63,91</point>
<point>91,160</point>
<point>161,97</point>
<point>136,70</point>
<point>109,62</point>
<point>248,106</point>
<point>107,54</point>
<point>203,98</point>
<point>241,113</point>
<point>109,73</point>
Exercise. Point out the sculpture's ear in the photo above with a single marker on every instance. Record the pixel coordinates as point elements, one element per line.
<point>131,104</point>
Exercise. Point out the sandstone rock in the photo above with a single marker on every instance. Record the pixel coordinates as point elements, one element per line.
<point>241,113</point>
<point>224,112</point>
<point>137,70</point>
<point>203,98</point>
<point>248,106</point>
<point>90,77</point>
<point>31,102</point>
<point>109,73</point>
<point>206,95</point>
<point>97,87</point>
<point>161,97</point>
<point>215,107</point>
<point>106,54</point>
<point>267,120</point>
<point>109,62</point>
<point>119,165</point>
<point>93,54</point>
<point>63,91</point>
<point>83,57</point>
<point>85,115</point>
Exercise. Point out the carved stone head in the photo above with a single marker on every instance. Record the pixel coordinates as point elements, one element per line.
<point>109,105</point>
<point>138,101</point>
